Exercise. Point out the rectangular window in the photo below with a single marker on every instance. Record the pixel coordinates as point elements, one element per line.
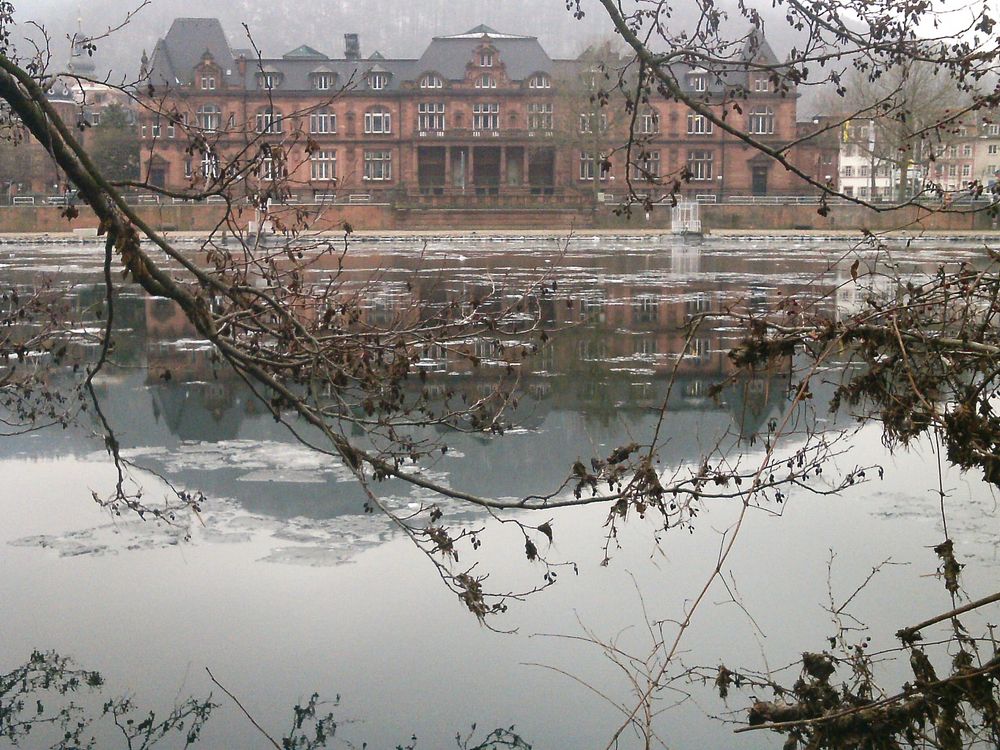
<point>649,123</point>
<point>592,166</point>
<point>378,121</point>
<point>863,171</point>
<point>967,150</point>
<point>699,82</point>
<point>323,81</point>
<point>486,116</point>
<point>540,117</point>
<point>268,121</point>
<point>486,81</point>
<point>699,125</point>
<point>171,130</point>
<point>154,130</point>
<point>378,166</point>
<point>377,81</point>
<point>848,171</point>
<point>430,116</point>
<point>700,165</point>
<point>322,122</point>
<point>966,170</point>
<point>992,148</point>
<point>647,167</point>
<point>761,83</point>
<point>761,121</point>
<point>952,170</point>
<point>323,165</point>
<point>588,122</point>
<point>268,81</point>
<point>993,128</point>
<point>539,81</point>
<point>431,82</point>
<point>486,60</point>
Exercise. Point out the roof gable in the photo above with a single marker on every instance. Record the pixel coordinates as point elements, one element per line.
<point>304,52</point>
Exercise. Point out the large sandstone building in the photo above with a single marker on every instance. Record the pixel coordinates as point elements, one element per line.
<point>481,115</point>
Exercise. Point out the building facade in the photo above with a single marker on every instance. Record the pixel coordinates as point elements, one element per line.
<point>480,116</point>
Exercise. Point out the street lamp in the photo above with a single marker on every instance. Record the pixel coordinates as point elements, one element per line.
<point>719,178</point>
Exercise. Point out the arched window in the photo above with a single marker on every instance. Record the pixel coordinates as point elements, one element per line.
<point>209,117</point>
<point>269,121</point>
<point>539,81</point>
<point>431,81</point>
<point>378,120</point>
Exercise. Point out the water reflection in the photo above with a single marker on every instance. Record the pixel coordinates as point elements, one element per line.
<point>380,630</point>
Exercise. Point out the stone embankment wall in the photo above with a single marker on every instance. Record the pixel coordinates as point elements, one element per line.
<point>381,217</point>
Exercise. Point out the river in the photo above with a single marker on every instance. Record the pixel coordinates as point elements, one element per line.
<point>283,585</point>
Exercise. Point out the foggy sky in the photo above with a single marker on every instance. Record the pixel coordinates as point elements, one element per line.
<point>397,28</point>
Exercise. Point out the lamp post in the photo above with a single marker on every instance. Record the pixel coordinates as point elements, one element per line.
<point>718,177</point>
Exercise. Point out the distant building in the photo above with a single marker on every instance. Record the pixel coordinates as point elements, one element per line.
<point>481,115</point>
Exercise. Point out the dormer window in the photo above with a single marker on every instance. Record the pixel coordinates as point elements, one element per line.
<point>539,81</point>
<point>486,59</point>
<point>698,82</point>
<point>486,81</point>
<point>322,81</point>
<point>378,81</point>
<point>761,84</point>
<point>431,81</point>
<point>207,82</point>
<point>269,80</point>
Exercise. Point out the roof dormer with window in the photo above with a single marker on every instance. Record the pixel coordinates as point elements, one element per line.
<point>269,78</point>
<point>208,75</point>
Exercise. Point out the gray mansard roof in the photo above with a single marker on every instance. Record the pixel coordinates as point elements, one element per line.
<point>448,55</point>
<point>189,39</point>
<point>182,49</point>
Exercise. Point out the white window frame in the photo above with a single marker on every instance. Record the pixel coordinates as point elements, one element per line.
<point>539,81</point>
<point>698,124</point>
<point>760,121</point>
<point>378,80</point>
<point>209,118</point>
<point>486,116</point>
<point>430,116</point>
<point>486,59</point>
<point>210,165</point>
<point>540,116</point>
<point>378,165</point>
<point>647,165</point>
<point>323,165</point>
<point>431,81</point>
<point>269,121</point>
<point>322,122</point>
<point>486,81</point>
<point>701,164</point>
<point>378,121</point>
<point>322,81</point>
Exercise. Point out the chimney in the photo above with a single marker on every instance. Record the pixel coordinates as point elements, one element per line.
<point>352,47</point>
